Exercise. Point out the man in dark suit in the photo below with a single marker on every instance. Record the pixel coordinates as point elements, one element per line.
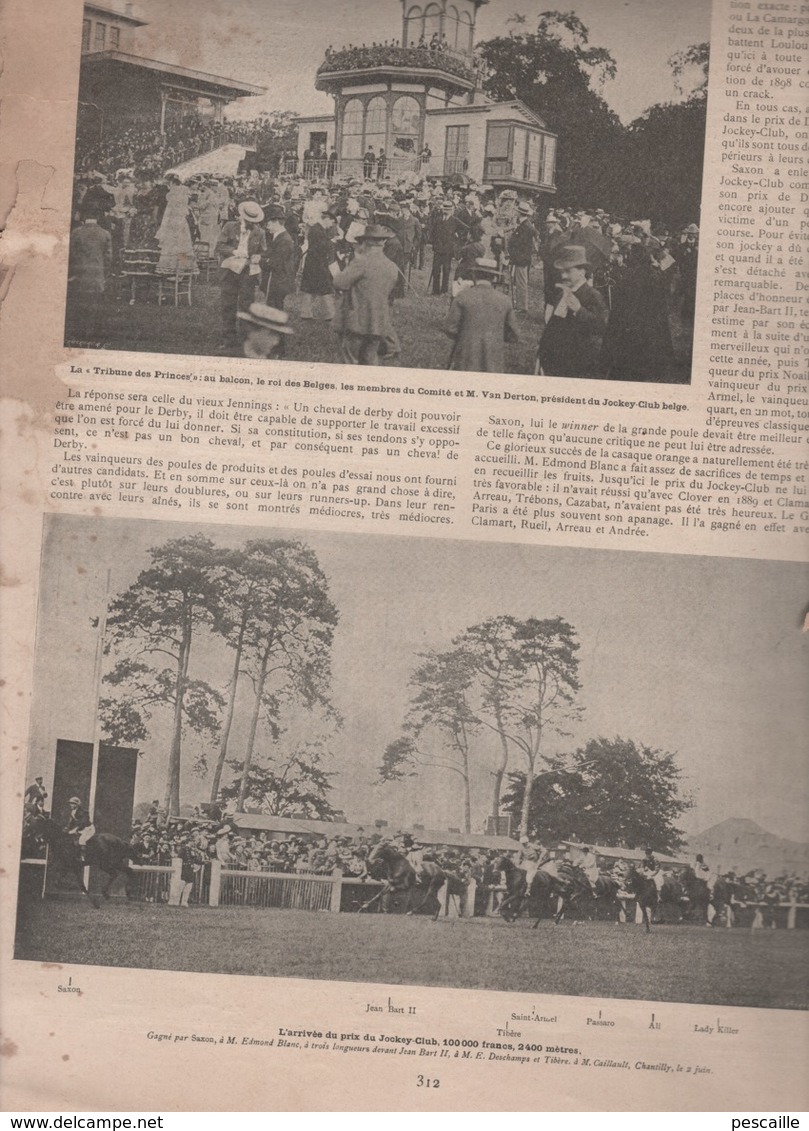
<point>280,262</point>
<point>89,269</point>
<point>571,343</point>
<point>363,319</point>
<point>239,250</point>
<point>445,240</point>
<point>521,252</point>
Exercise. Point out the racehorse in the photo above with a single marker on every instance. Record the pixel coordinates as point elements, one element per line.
<point>109,853</point>
<point>545,885</point>
<point>701,899</point>
<point>401,879</point>
<point>644,890</point>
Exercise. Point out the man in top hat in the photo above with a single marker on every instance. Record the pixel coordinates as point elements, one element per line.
<point>363,320</point>
<point>445,237</point>
<point>409,234</point>
<point>481,320</point>
<point>521,246</point>
<point>571,343</point>
<point>279,262</point>
<point>266,330</point>
<point>240,248</point>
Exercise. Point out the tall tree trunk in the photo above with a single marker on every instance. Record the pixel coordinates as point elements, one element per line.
<point>500,771</point>
<point>467,792</point>
<point>223,749</point>
<point>526,799</point>
<point>251,738</point>
<point>171,800</point>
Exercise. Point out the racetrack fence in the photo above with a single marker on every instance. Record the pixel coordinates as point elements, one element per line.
<point>219,885</point>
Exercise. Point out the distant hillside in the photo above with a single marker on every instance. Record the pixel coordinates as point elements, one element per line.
<point>742,845</point>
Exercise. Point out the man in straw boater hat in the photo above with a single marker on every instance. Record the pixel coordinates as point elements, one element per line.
<point>267,329</point>
<point>363,318</point>
<point>571,343</point>
<point>239,251</point>
<point>481,320</point>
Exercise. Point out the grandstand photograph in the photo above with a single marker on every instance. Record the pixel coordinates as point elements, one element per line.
<point>434,185</point>
<point>403,760</point>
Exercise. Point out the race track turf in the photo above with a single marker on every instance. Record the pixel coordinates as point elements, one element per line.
<point>675,963</point>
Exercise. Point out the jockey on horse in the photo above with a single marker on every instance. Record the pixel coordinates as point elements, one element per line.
<point>79,826</point>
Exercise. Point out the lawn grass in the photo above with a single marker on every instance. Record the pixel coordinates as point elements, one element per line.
<point>680,964</point>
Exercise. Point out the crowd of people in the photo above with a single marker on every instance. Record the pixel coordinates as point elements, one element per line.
<point>428,52</point>
<point>150,152</point>
<point>600,287</point>
<point>200,839</point>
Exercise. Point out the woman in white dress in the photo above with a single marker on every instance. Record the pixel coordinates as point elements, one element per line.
<point>174,234</point>
<point>208,215</point>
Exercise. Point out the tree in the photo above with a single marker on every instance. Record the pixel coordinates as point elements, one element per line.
<point>559,75</point>
<point>439,708</point>
<point>608,792</point>
<point>293,783</point>
<point>690,69</point>
<point>527,675</point>
<point>287,640</point>
<point>160,615</point>
<point>662,154</point>
<point>277,135</point>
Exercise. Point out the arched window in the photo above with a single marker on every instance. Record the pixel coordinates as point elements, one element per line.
<point>352,129</point>
<point>451,26</point>
<point>405,124</point>
<point>465,32</point>
<point>432,21</point>
<point>376,124</point>
<point>413,26</point>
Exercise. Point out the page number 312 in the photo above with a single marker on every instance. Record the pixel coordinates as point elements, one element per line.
<point>427,1082</point>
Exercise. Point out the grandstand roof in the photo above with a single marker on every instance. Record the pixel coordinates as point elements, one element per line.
<point>203,83</point>
<point>124,17</point>
<point>624,853</point>
<point>303,827</point>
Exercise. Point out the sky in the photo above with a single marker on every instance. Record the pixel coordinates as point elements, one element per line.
<point>280,43</point>
<point>702,657</point>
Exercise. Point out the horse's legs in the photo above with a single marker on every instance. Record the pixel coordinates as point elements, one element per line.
<point>130,875</point>
<point>435,888</point>
<point>111,877</point>
<point>79,874</point>
<point>560,907</point>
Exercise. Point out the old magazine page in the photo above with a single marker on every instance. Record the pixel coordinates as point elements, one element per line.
<point>404,547</point>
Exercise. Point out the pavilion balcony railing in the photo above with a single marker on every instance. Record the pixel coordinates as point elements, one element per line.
<point>446,59</point>
<point>321,169</point>
<point>453,165</point>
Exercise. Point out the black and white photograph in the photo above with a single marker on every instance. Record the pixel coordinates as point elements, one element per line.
<point>411,761</point>
<point>434,185</point>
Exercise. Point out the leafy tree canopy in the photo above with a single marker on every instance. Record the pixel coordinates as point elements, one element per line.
<point>612,792</point>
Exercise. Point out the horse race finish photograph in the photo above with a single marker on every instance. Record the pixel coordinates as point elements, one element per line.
<point>410,761</point>
<point>417,183</point>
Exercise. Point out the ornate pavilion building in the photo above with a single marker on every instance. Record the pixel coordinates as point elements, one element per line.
<point>420,101</point>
